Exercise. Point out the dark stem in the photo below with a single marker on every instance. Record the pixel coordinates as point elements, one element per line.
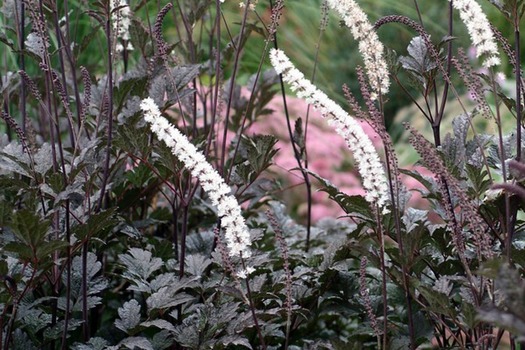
<point>184,233</point>
<point>85,315</point>
<point>71,61</point>
<point>518,91</point>
<point>441,111</point>
<point>395,200</point>
<point>232,88</point>
<point>296,152</point>
<point>418,13</point>
<point>254,315</point>
<point>109,112</point>
<point>21,37</point>
<point>68,279</point>
<point>381,238</point>
<point>61,45</point>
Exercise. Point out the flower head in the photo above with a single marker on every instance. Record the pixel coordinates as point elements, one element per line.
<point>369,45</point>
<point>478,27</point>
<point>368,162</point>
<point>228,209</point>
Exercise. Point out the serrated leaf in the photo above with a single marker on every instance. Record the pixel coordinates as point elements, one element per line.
<point>135,342</point>
<point>36,320</point>
<point>139,263</point>
<point>162,324</point>
<point>131,86</point>
<point>437,302</point>
<point>96,224</point>
<point>95,343</point>
<point>55,332</point>
<point>413,218</point>
<point>235,340</point>
<point>129,315</point>
<point>196,264</point>
<point>23,342</point>
<point>35,44</point>
<point>163,280</point>
<point>172,84</point>
<point>45,249</point>
<point>28,228</point>
<point>166,298</point>
<point>355,206</point>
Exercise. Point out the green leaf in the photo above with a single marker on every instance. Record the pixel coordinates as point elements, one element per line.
<point>437,302</point>
<point>22,250</point>
<point>28,228</point>
<point>126,88</point>
<point>45,249</point>
<point>355,206</point>
<point>96,224</point>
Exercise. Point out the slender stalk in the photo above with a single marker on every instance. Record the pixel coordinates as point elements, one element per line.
<point>518,89</point>
<point>21,37</point>
<point>381,238</point>
<point>441,112</point>
<point>254,315</point>
<point>232,88</point>
<point>296,152</point>
<point>67,311</point>
<point>184,233</point>
<point>109,109</point>
<point>60,50</point>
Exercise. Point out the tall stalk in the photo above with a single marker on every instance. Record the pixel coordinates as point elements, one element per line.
<point>109,115</point>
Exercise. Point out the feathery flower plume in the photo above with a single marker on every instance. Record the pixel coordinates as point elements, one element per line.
<point>478,27</point>
<point>369,45</point>
<point>368,162</point>
<point>228,209</point>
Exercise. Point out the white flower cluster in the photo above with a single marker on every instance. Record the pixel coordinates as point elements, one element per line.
<point>369,45</point>
<point>368,161</point>
<point>121,20</point>
<point>228,209</point>
<point>252,6</point>
<point>479,30</point>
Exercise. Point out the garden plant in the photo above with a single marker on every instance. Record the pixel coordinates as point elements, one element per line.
<point>193,174</point>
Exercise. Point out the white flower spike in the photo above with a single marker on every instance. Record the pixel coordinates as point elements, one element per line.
<point>368,161</point>
<point>370,47</point>
<point>236,232</point>
<point>478,27</point>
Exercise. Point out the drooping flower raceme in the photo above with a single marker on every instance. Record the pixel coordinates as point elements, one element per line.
<point>478,27</point>
<point>368,161</point>
<point>370,47</point>
<point>228,209</point>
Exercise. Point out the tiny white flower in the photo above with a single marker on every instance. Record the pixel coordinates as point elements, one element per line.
<point>243,274</point>
<point>236,232</point>
<point>252,5</point>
